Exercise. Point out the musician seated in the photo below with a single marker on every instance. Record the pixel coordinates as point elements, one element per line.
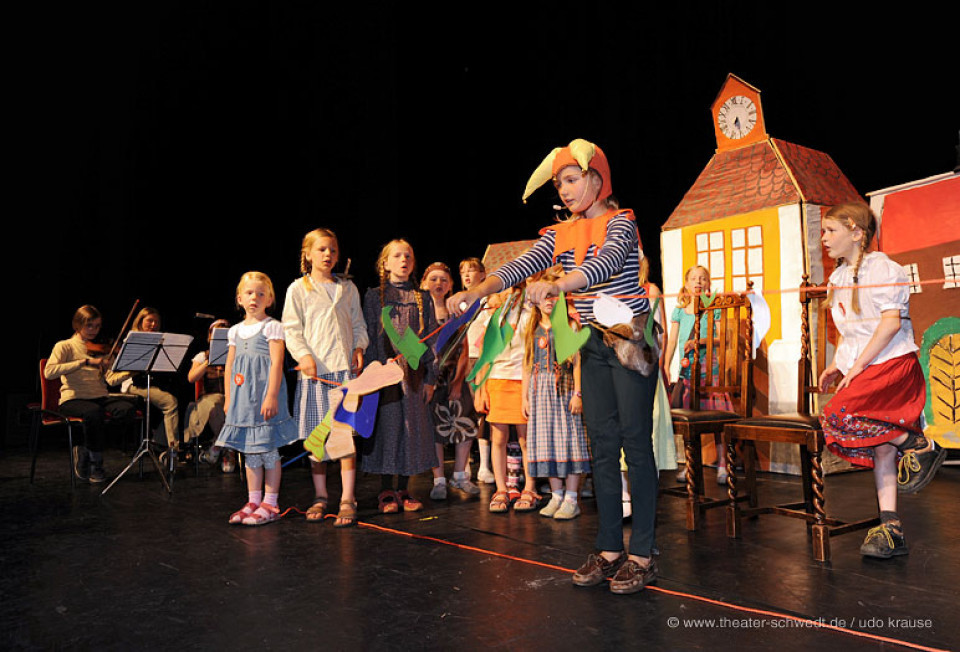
<point>83,371</point>
<point>207,411</point>
<point>161,398</point>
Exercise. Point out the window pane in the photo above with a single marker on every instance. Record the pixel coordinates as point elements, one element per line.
<point>755,260</point>
<point>737,238</point>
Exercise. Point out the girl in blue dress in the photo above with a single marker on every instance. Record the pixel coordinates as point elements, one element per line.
<point>258,421</point>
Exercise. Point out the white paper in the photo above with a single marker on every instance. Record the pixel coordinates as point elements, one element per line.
<point>761,319</point>
<point>610,311</point>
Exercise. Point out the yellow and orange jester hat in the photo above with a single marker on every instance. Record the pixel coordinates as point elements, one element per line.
<point>579,152</point>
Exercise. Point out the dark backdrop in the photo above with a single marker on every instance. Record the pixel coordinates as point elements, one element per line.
<point>163,148</point>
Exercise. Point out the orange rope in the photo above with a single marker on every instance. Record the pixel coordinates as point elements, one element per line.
<point>719,603</point>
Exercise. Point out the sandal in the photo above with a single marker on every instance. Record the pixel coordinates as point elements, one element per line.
<point>317,510</point>
<point>264,514</point>
<point>388,503</point>
<point>237,517</point>
<point>500,502</point>
<point>410,504</point>
<point>347,517</point>
<point>527,502</point>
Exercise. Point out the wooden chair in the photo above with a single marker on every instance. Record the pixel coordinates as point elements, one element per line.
<point>728,338</point>
<point>801,428</point>
<point>46,415</point>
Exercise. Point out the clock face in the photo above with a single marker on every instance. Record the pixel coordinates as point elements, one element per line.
<point>737,117</point>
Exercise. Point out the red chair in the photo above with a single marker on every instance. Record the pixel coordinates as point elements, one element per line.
<point>46,415</point>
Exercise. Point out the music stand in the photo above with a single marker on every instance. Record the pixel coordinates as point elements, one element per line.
<point>218,347</point>
<point>148,352</point>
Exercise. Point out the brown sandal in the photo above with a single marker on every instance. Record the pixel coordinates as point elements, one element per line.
<point>347,517</point>
<point>318,509</point>
<point>500,502</point>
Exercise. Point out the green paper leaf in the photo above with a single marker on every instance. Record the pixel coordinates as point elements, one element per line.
<point>495,340</point>
<point>648,331</point>
<point>409,346</point>
<point>566,340</point>
<point>708,298</point>
<point>315,442</point>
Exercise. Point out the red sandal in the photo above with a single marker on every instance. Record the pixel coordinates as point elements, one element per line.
<point>388,502</point>
<point>410,504</point>
<point>500,503</point>
<point>237,517</point>
<point>265,514</point>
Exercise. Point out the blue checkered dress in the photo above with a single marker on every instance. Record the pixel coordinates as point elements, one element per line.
<point>556,440</point>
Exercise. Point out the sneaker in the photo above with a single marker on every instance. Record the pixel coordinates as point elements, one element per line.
<point>568,511</point>
<point>682,475</point>
<point>884,541</point>
<point>228,462</point>
<point>551,509</point>
<point>97,475</point>
<point>596,569</point>
<point>439,491</point>
<point>632,577</point>
<point>722,475</point>
<point>486,476</point>
<point>465,485</point>
<point>81,462</point>
<point>915,469</point>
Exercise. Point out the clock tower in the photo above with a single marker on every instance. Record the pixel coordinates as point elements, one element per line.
<point>737,115</point>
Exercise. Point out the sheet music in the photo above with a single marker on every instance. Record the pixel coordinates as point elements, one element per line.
<point>218,347</point>
<point>143,351</point>
<point>173,349</point>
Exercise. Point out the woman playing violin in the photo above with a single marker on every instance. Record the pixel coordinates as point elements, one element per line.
<point>84,376</point>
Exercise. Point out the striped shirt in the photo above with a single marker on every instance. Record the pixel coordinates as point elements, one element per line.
<point>614,269</point>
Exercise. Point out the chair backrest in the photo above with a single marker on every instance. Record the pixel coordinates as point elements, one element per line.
<point>728,337</point>
<point>814,342</point>
<point>49,390</point>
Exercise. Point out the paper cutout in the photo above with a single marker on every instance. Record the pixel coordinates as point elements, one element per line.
<point>317,439</point>
<point>610,311</point>
<point>707,299</point>
<point>648,329</point>
<point>375,377</point>
<point>451,326</point>
<point>761,319</point>
<point>566,340</point>
<point>409,345</point>
<point>358,412</point>
<point>494,342</point>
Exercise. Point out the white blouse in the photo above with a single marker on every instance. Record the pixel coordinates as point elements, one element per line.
<point>327,328</point>
<point>877,294</point>
<point>272,330</point>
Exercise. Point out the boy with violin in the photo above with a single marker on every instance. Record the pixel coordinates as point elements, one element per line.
<point>82,366</point>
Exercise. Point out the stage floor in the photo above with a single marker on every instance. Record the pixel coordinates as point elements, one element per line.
<point>140,568</point>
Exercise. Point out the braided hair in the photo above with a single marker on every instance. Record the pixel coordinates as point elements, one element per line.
<point>853,215</point>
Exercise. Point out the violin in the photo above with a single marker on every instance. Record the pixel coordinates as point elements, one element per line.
<point>107,349</point>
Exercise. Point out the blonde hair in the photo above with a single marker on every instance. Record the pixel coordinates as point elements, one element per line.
<point>684,296</point>
<point>529,336</point>
<point>853,215</point>
<point>308,241</point>
<point>258,277</point>
<point>143,314</point>
<point>385,276</point>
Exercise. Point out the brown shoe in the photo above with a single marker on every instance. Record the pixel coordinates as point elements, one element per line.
<point>596,569</point>
<point>632,577</point>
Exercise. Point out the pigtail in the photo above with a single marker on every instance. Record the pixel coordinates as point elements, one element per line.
<point>855,299</point>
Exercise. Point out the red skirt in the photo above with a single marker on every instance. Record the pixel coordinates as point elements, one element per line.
<point>884,402</point>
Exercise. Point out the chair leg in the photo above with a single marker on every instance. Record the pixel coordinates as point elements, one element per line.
<point>694,480</point>
<point>734,525</point>
<point>819,530</point>
<point>73,471</point>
